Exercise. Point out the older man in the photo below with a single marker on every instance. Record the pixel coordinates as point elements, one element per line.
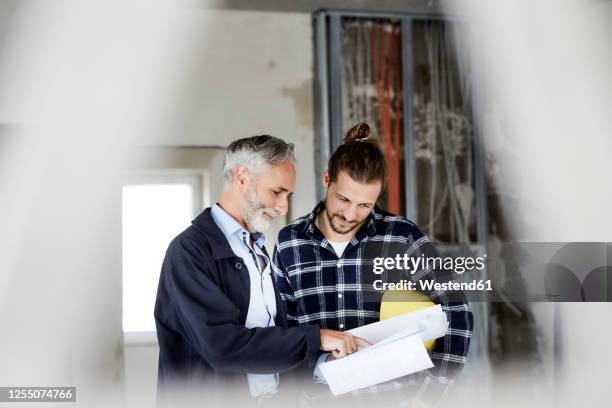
<point>219,316</point>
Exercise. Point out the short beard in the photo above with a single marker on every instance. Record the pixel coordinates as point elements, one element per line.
<point>254,211</point>
<point>337,230</point>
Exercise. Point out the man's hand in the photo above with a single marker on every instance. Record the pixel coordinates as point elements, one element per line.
<point>341,344</point>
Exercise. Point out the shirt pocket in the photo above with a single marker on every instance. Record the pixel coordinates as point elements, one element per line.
<point>303,268</point>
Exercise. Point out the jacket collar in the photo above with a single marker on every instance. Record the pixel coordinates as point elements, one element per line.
<point>229,226</point>
<point>205,224</point>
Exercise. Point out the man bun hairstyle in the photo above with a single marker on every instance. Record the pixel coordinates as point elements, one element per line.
<point>255,153</point>
<point>360,156</point>
<point>360,132</point>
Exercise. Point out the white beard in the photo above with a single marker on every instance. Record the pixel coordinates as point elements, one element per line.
<point>254,212</point>
<point>258,223</point>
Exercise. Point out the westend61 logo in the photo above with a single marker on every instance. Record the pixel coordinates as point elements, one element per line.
<point>413,264</point>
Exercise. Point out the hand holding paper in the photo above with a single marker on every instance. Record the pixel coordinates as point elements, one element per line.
<point>398,350</point>
<point>341,344</point>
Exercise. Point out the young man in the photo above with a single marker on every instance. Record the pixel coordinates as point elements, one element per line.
<point>219,316</point>
<point>320,259</point>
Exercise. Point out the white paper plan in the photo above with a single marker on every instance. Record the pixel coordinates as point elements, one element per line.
<point>398,350</point>
<point>376,365</point>
<point>432,318</point>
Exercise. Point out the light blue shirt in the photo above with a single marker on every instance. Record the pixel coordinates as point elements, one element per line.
<point>262,303</point>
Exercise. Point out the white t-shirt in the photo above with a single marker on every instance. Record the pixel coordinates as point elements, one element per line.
<point>339,247</point>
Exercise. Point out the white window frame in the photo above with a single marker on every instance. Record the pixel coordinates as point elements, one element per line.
<point>199,179</point>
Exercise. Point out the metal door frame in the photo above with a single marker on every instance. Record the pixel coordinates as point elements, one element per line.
<point>328,123</point>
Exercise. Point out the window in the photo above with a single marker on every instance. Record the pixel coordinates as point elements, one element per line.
<point>156,208</point>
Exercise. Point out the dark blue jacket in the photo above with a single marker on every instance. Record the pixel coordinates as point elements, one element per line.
<point>200,312</point>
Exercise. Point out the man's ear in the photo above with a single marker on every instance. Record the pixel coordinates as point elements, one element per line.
<point>325,179</point>
<point>241,178</point>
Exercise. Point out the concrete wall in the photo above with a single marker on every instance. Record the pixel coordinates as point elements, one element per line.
<point>245,73</point>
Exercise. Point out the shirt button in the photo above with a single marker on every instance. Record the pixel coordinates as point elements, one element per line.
<point>339,295</point>
<point>341,326</point>
<point>238,265</point>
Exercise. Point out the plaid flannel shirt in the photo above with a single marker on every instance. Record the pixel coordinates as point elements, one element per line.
<point>320,287</point>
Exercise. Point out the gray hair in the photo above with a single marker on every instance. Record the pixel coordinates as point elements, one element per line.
<point>254,153</point>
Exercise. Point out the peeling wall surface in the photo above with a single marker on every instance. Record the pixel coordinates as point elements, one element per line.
<point>244,73</point>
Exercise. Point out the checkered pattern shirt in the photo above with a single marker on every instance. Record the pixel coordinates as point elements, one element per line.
<point>318,286</point>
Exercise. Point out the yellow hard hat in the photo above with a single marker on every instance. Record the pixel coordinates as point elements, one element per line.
<point>397,302</point>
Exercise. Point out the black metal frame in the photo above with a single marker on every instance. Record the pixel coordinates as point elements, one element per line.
<point>328,106</point>
<point>328,124</point>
